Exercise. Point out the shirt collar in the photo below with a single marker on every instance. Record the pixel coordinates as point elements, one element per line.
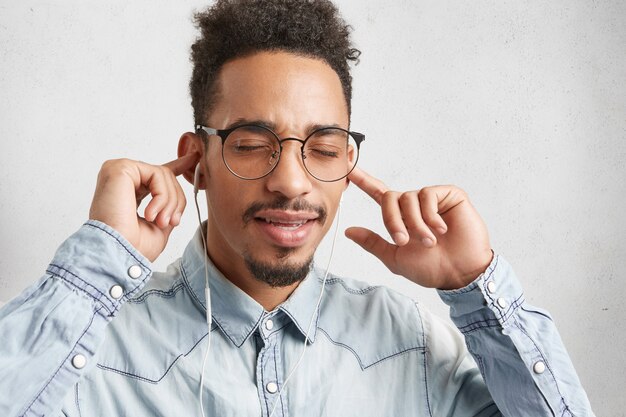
<point>236,313</point>
<point>301,304</point>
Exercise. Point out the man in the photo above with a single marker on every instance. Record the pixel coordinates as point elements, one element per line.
<point>273,149</point>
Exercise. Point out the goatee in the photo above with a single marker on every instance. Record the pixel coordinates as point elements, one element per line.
<point>278,274</point>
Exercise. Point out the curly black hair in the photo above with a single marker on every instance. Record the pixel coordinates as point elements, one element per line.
<point>237,28</point>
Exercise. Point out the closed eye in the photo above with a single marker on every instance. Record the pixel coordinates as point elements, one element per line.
<point>326,153</point>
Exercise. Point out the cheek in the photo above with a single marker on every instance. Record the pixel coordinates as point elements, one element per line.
<point>223,205</point>
<point>224,197</point>
<point>333,201</point>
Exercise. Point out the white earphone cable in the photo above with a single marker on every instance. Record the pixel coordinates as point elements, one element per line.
<point>207,296</point>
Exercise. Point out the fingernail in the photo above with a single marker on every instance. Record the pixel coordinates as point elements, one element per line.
<point>441,230</point>
<point>176,218</point>
<point>428,242</point>
<point>399,237</point>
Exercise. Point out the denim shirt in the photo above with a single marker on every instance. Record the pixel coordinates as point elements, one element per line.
<point>101,335</point>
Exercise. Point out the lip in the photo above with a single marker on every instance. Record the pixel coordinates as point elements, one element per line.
<point>285,228</point>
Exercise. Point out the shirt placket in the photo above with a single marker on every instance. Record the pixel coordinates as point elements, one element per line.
<point>269,372</point>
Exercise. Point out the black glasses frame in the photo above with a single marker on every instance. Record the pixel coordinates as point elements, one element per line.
<point>223,134</point>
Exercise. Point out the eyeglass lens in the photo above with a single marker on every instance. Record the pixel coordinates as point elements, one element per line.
<point>251,152</point>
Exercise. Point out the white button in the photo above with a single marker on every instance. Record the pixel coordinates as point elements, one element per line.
<point>79,361</point>
<point>502,302</point>
<point>269,324</point>
<point>271,387</point>
<point>116,291</point>
<point>134,271</point>
<point>539,367</point>
<point>491,287</point>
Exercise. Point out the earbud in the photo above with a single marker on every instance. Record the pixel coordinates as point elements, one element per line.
<point>196,179</point>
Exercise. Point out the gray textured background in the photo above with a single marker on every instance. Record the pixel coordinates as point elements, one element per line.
<point>521,103</point>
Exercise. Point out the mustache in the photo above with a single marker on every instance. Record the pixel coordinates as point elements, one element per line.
<point>282,203</point>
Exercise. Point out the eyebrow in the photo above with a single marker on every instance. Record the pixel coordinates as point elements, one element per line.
<point>272,126</point>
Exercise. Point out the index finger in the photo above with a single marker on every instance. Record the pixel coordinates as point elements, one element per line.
<point>373,187</point>
<point>184,163</point>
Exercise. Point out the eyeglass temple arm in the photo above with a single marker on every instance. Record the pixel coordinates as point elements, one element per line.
<point>208,130</point>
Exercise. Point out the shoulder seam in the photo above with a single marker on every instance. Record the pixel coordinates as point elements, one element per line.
<point>153,381</point>
<point>177,286</point>
<point>361,365</point>
<point>363,291</point>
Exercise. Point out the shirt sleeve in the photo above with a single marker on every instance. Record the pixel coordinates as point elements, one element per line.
<point>517,347</point>
<point>51,331</point>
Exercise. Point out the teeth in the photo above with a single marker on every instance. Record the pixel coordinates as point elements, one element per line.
<point>286,224</point>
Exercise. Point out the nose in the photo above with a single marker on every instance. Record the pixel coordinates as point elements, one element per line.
<point>290,178</point>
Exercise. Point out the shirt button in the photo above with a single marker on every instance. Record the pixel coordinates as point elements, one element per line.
<point>134,271</point>
<point>269,324</point>
<point>502,302</point>
<point>491,287</point>
<point>539,367</point>
<point>79,361</point>
<point>116,291</point>
<point>271,387</point>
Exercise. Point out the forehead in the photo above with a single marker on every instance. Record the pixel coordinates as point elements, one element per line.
<point>288,90</point>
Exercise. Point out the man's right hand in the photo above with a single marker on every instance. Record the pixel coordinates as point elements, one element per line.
<point>124,183</point>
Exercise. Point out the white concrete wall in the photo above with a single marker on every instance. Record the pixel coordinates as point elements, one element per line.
<point>521,103</point>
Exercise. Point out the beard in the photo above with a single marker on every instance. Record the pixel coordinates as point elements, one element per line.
<point>278,274</point>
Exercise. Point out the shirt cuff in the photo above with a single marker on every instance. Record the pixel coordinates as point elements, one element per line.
<point>492,298</point>
<point>100,263</point>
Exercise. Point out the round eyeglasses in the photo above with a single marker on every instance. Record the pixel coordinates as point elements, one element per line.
<point>252,151</point>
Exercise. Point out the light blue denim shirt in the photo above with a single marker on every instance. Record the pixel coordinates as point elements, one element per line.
<point>101,335</point>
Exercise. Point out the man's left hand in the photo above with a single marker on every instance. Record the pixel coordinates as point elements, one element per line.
<point>440,241</point>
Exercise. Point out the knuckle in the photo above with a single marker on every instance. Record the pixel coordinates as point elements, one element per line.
<point>109,165</point>
<point>424,192</point>
<point>454,188</point>
<point>456,193</point>
<point>389,196</point>
<point>116,165</point>
<point>405,197</point>
<point>462,193</point>
<point>110,168</point>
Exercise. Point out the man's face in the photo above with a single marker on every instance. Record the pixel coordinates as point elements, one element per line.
<point>269,228</point>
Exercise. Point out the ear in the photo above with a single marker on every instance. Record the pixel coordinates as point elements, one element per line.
<point>191,143</point>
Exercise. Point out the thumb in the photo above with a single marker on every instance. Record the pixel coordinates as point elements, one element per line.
<point>373,243</point>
